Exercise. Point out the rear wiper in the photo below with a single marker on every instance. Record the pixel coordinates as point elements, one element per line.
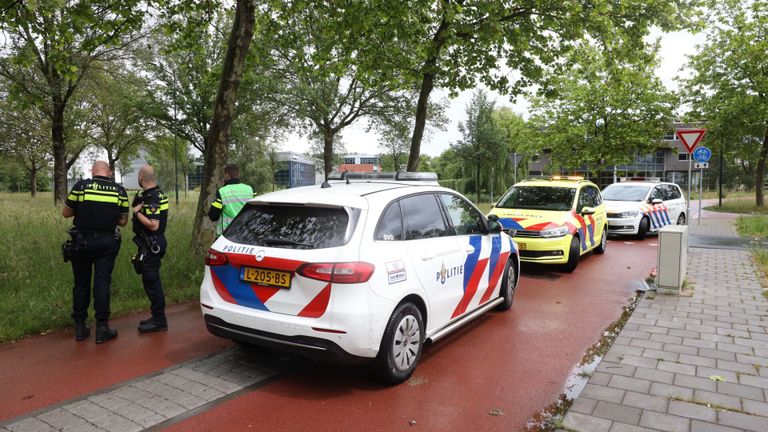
<point>284,242</point>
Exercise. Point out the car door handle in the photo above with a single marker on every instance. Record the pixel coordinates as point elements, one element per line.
<point>469,250</point>
<point>439,254</point>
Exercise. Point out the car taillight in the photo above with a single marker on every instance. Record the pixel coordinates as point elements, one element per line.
<point>350,272</point>
<point>215,258</point>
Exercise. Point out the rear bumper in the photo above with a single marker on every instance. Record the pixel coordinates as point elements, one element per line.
<point>314,348</point>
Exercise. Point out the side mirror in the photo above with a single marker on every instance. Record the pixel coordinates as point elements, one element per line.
<point>588,211</point>
<point>494,227</point>
<point>657,201</point>
<point>493,217</point>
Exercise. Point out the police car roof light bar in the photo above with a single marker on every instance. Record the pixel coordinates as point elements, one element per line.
<point>416,176</point>
<point>401,176</point>
<point>642,179</point>
<point>578,178</point>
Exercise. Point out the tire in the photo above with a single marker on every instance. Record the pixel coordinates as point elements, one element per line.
<point>574,253</point>
<point>401,345</point>
<point>508,285</point>
<point>681,219</point>
<point>643,228</point>
<point>600,249</point>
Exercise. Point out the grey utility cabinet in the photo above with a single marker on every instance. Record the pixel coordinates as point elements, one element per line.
<point>672,258</point>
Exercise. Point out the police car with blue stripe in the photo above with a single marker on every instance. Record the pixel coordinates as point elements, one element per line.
<point>357,269</point>
<point>638,206</point>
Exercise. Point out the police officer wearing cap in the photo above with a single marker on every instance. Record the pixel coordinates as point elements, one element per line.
<point>150,216</point>
<point>230,199</point>
<point>98,205</point>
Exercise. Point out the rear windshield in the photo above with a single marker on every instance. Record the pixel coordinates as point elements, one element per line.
<point>293,227</point>
<point>625,192</point>
<point>538,198</point>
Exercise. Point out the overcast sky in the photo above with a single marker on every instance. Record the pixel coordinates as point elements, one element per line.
<point>674,49</point>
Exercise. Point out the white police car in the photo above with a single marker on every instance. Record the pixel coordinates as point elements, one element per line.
<point>639,207</point>
<point>357,270</point>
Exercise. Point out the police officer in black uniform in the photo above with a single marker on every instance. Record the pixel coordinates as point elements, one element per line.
<point>150,216</point>
<point>98,205</point>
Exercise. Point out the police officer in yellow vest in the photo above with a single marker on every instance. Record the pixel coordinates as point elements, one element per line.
<point>98,205</point>
<point>150,218</point>
<point>230,199</point>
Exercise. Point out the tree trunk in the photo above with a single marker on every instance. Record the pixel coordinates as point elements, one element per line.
<point>427,84</point>
<point>327,152</point>
<point>59,155</point>
<point>760,172</point>
<point>215,154</point>
<point>111,160</point>
<point>33,182</point>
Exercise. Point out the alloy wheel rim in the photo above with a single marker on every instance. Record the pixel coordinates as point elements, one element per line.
<point>406,343</point>
<point>511,281</point>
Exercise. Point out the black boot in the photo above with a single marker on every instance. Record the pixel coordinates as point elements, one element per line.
<point>104,333</point>
<point>146,321</point>
<point>82,331</point>
<point>153,325</point>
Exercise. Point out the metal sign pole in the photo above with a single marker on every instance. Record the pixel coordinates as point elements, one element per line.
<point>688,200</point>
<point>514,176</point>
<point>701,191</point>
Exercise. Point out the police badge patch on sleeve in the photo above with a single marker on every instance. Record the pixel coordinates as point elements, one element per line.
<point>154,208</point>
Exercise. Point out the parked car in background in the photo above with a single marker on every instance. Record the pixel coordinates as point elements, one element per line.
<point>640,207</point>
<point>556,220</point>
<point>357,270</point>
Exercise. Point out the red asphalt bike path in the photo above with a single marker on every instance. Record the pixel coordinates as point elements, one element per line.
<point>511,363</point>
<point>515,362</point>
<point>41,371</point>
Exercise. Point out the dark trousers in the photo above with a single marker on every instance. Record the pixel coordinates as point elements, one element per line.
<point>95,258</point>
<point>153,286</point>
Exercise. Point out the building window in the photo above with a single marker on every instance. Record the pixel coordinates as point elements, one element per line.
<point>682,156</point>
<point>370,161</point>
<point>349,160</point>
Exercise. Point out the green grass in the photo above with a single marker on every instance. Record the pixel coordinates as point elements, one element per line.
<point>756,226</point>
<point>726,194</point>
<point>744,206</point>
<point>752,226</point>
<point>761,260</point>
<point>36,285</point>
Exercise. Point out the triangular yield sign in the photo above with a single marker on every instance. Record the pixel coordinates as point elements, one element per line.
<point>690,137</point>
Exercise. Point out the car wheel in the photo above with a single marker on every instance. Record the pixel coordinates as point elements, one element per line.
<point>681,219</point>
<point>508,285</point>
<point>643,228</point>
<point>600,249</point>
<point>402,344</point>
<point>574,252</point>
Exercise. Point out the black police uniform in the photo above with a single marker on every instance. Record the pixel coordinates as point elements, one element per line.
<point>98,204</point>
<point>155,207</point>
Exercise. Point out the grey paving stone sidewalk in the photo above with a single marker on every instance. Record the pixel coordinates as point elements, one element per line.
<point>688,364</point>
<point>149,401</point>
<point>713,227</point>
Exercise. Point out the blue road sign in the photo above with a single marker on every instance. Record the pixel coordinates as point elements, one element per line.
<point>702,154</point>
